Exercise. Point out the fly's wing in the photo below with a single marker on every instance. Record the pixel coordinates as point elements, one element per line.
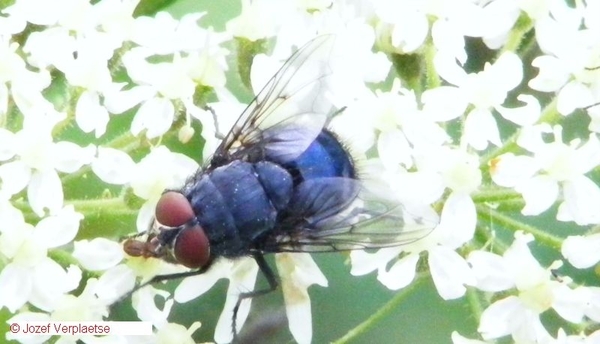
<point>287,114</point>
<point>334,214</point>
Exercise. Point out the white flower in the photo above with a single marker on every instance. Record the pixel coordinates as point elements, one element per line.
<point>31,276</point>
<point>438,169</point>
<point>553,165</point>
<point>582,251</point>
<point>537,292</point>
<point>571,53</point>
<point>257,20</point>
<point>485,91</point>
<point>164,35</point>
<point>403,23</point>
<point>113,166</point>
<point>396,117</point>
<point>85,307</point>
<point>144,303</point>
<point>242,276</point>
<point>449,270</point>
<point>148,178</point>
<point>25,86</point>
<point>38,160</point>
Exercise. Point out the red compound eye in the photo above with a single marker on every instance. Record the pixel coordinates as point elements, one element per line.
<point>191,247</point>
<point>173,209</point>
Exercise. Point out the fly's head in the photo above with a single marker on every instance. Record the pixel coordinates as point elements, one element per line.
<point>178,239</point>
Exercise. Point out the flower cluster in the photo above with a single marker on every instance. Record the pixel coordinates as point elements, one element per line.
<point>487,112</point>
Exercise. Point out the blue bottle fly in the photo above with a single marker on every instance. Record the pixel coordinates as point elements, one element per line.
<point>279,182</point>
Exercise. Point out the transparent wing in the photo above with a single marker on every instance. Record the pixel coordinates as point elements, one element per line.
<point>287,114</point>
<point>365,221</point>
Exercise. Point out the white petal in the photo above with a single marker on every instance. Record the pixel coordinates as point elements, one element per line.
<point>70,157</point>
<point>458,220</point>
<point>90,115</point>
<point>582,199</point>
<point>15,176</point>
<point>115,283</point>
<point>400,274</point>
<point>300,268</point>
<point>113,166</point>
<point>592,294</point>
<point>155,115</point>
<point>298,271</point>
<point>500,318</point>
<point>394,150</point>
<point>146,215</point>
<point>573,96</point>
<point>7,144</point>
<point>243,278</point>
<point>445,64</point>
<point>444,103</point>
<point>58,229</point>
<point>588,155</point>
<point>525,115</point>
<point>491,272</point>
<point>582,251</point>
<point>507,71</point>
<point>526,270</point>
<point>194,286</point>
<point>568,303</point>
<point>299,315</point>
<point>480,127</point>
<point>50,283</point>
<point>510,170</point>
<point>448,38</point>
<point>45,191</point>
<point>98,254</point>
<point>144,303</point>
<point>409,31</point>
<point>16,284</point>
<point>117,101</point>
<point>552,76</point>
<point>450,272</point>
<point>539,193</point>
<point>364,262</point>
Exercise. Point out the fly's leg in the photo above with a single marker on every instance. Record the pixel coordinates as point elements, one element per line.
<point>218,134</point>
<point>168,277</point>
<point>271,279</point>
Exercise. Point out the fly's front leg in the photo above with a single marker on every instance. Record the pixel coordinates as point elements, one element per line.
<point>271,279</point>
<point>218,134</point>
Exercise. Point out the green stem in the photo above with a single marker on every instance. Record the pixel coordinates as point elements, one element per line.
<point>474,302</point>
<point>496,196</point>
<point>432,77</point>
<point>383,312</point>
<point>493,216</point>
<point>523,25</point>
<point>114,206</point>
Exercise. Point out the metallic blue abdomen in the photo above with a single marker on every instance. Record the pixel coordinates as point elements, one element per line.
<point>325,157</point>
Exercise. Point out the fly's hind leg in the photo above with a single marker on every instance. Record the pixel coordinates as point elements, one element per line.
<point>271,279</point>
